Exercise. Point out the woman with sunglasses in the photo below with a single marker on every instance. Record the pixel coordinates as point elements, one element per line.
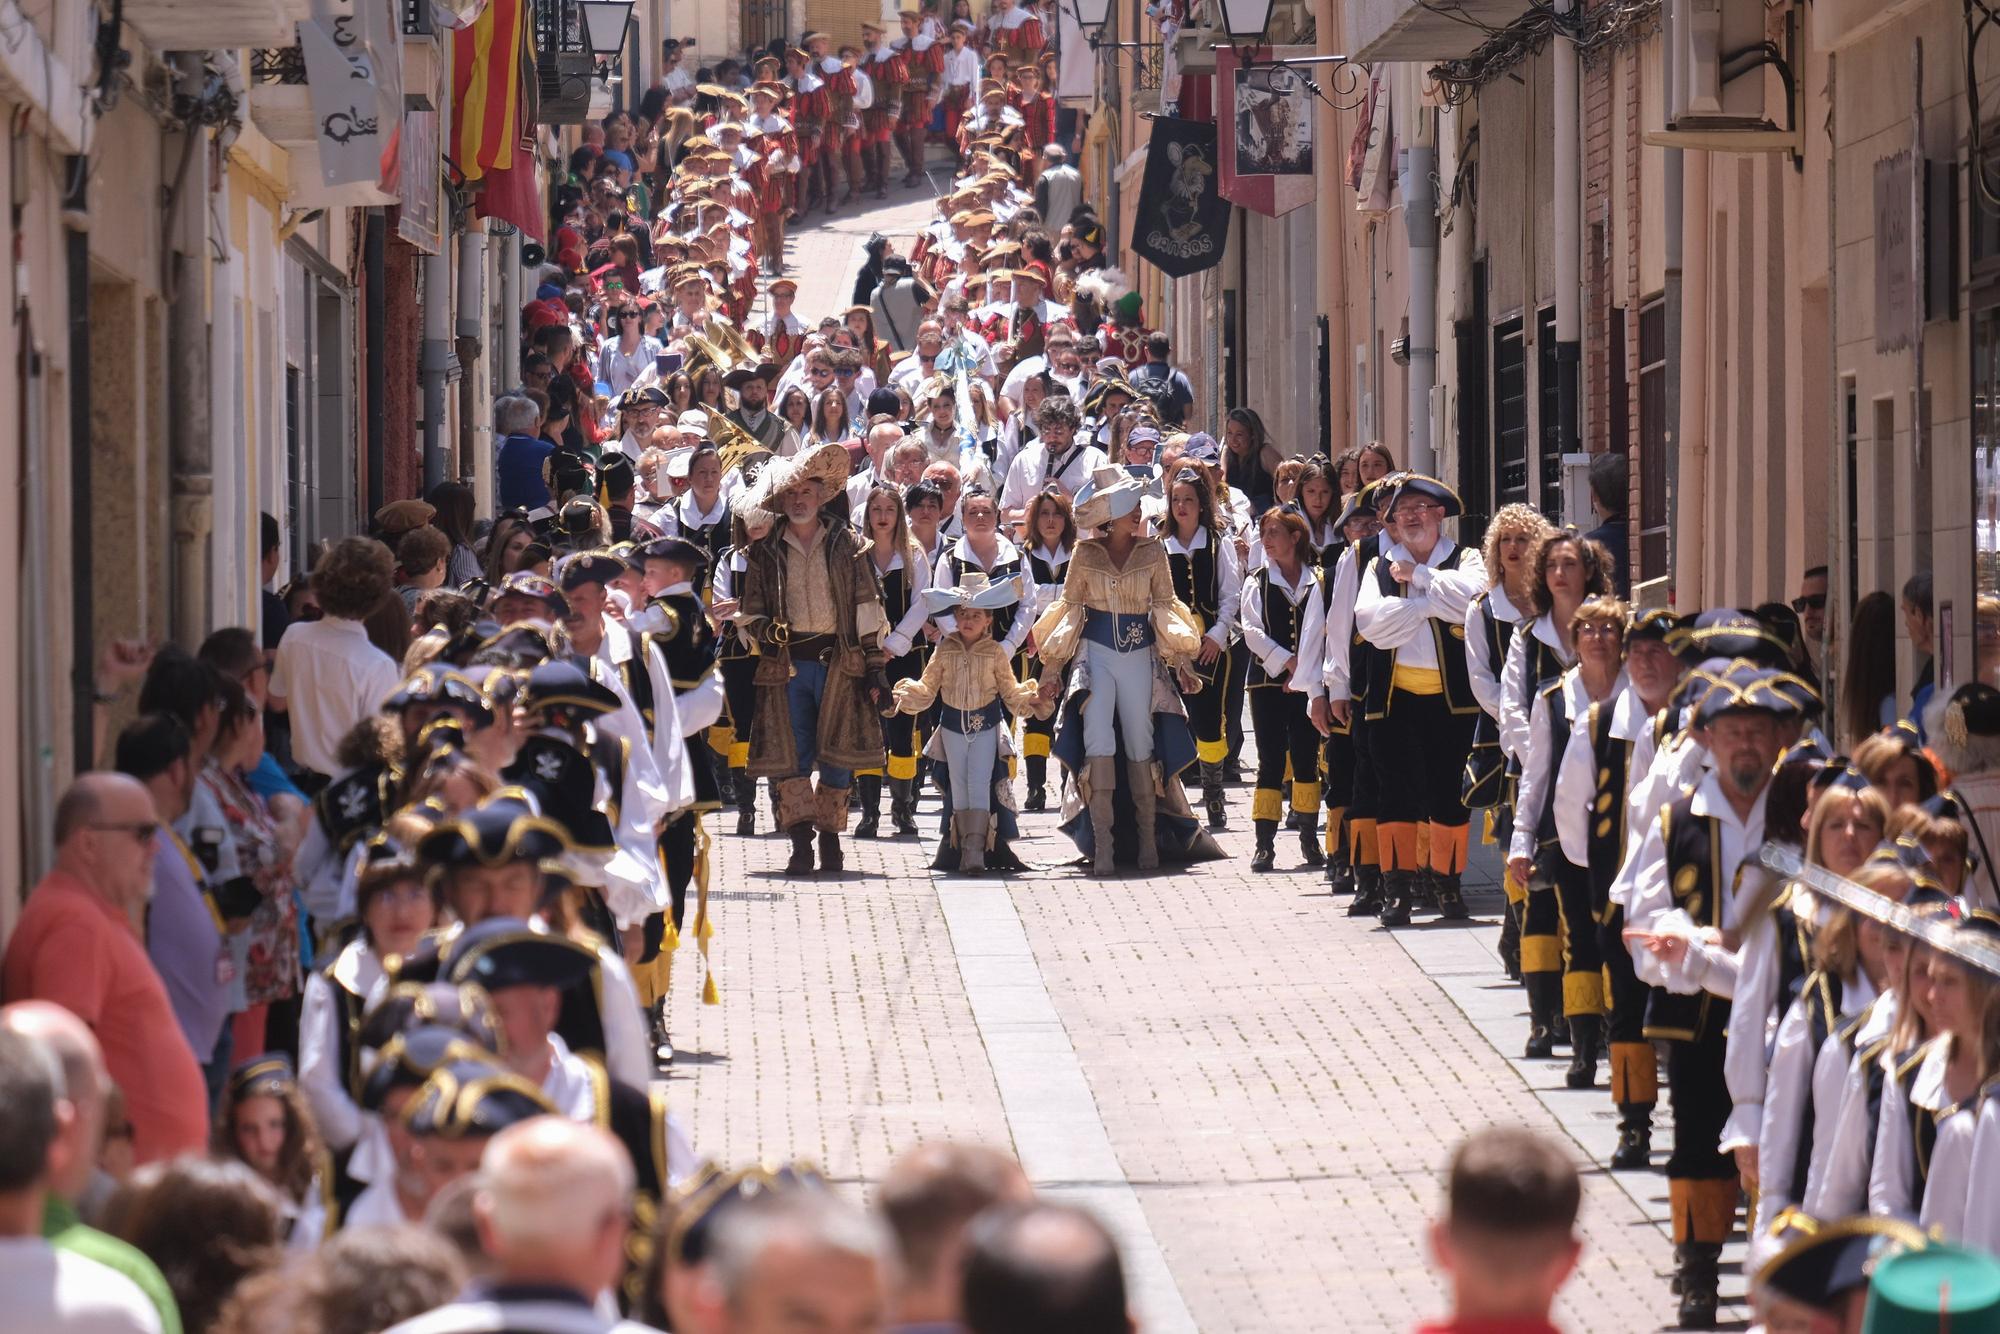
<point>1535,857</point>
<point>627,352</point>
<point>266,953</point>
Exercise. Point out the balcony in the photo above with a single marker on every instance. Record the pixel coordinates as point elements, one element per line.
<point>280,106</point>
<point>1425,30</point>
<point>565,71</point>
<point>197,25</point>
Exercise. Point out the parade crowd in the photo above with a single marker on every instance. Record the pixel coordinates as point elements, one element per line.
<point>349,988</point>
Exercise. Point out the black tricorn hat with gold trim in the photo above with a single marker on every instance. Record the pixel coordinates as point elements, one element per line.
<point>503,828</point>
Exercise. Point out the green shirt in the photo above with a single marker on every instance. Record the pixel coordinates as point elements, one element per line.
<point>65,1231</point>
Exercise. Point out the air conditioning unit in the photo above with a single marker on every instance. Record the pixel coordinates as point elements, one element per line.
<point>1721,55</point>
<point>1716,87</point>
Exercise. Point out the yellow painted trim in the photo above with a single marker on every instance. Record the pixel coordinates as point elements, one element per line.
<point>248,171</point>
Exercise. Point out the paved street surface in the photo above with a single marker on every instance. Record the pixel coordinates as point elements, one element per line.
<point>1258,1093</point>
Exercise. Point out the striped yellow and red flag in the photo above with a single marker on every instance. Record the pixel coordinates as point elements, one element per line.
<point>490,62</point>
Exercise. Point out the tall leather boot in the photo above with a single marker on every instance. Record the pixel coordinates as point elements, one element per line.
<point>869,786</point>
<point>1635,1138</point>
<point>903,806</point>
<point>1544,1013</point>
<point>1586,1040</point>
<point>1266,855</point>
<point>1339,868</point>
<point>1367,900</point>
<point>1214,796</point>
<point>971,827</point>
<point>1140,774</point>
<point>1103,773</point>
<point>881,171</point>
<point>1635,1088</point>
<point>1451,899</point>
<point>1399,893</point>
<point>1038,780</point>
<point>1510,941</point>
<point>801,862</point>
<point>792,800</point>
<point>1698,1282</point>
<point>746,804</point>
<point>830,817</point>
<point>1309,838</point>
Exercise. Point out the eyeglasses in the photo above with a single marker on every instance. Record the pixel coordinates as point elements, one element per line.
<point>1816,601</point>
<point>141,830</point>
<point>847,375</point>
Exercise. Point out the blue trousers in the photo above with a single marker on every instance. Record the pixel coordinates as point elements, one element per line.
<point>802,696</point>
<point>969,757</point>
<point>1120,702</point>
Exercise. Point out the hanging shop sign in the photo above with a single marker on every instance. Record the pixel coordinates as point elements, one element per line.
<point>1182,223</point>
<point>1267,119</point>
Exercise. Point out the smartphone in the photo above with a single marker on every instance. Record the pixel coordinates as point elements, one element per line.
<point>667,363</point>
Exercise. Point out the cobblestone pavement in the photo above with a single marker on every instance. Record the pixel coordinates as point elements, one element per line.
<point>1257,1092</point>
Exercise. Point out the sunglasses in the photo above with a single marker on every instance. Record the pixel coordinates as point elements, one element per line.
<point>142,830</point>
<point>1816,601</point>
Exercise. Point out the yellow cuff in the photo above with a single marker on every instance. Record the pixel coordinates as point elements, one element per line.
<point>1305,797</point>
<point>1035,745</point>
<point>902,767</point>
<point>1211,752</point>
<point>1583,993</point>
<point>1267,804</point>
<point>1541,954</point>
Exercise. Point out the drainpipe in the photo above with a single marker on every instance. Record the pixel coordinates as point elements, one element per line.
<point>190,439</point>
<point>1421,222</point>
<point>1333,208</point>
<point>474,426</point>
<point>437,356</point>
<point>232,471</point>
<point>1691,575</point>
<point>505,360</point>
<point>1674,171</point>
<point>83,611</point>
<point>438,312</point>
<point>1569,239</point>
<point>374,369</point>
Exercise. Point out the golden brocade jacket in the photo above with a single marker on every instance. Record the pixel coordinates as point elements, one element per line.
<point>1143,585</point>
<point>969,676</point>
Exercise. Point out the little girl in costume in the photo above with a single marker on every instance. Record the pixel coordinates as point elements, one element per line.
<point>972,675</point>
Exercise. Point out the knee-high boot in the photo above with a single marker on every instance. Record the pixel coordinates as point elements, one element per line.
<point>903,806</point>
<point>1102,773</point>
<point>1214,796</point>
<point>1038,779</point>
<point>1140,774</point>
<point>869,787</point>
<point>746,804</point>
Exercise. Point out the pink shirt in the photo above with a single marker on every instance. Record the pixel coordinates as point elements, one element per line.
<point>74,948</point>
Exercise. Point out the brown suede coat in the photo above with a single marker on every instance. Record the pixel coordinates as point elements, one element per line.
<point>850,728</point>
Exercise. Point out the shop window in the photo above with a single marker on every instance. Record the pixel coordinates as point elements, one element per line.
<point>1654,502</point>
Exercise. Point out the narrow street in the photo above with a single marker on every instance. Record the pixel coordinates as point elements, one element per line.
<point>1255,1090</point>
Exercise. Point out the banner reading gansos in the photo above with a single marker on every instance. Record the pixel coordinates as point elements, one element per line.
<point>1182,223</point>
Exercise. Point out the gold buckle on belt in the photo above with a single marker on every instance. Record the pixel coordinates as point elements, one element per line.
<point>780,633</point>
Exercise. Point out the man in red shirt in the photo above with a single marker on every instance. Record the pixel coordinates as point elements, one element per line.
<point>1507,1242</point>
<point>78,945</point>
